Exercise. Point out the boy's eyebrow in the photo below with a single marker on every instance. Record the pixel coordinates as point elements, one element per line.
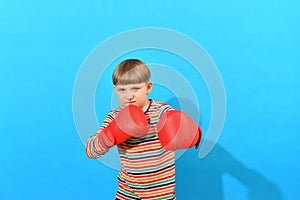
<point>137,86</point>
<point>120,88</point>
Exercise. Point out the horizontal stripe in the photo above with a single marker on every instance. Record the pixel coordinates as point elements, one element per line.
<point>158,173</point>
<point>157,156</point>
<point>121,196</point>
<point>148,159</point>
<point>146,165</point>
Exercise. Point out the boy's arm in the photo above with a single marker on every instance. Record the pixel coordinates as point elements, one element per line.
<point>94,147</point>
<point>130,121</point>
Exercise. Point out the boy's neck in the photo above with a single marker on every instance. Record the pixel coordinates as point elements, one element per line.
<point>146,106</point>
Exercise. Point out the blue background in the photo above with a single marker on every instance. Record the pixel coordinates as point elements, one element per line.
<point>255,45</point>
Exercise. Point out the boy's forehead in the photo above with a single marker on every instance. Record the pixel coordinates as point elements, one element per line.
<point>130,85</point>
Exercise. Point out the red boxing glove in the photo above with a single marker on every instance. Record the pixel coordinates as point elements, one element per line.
<point>131,121</point>
<point>176,130</point>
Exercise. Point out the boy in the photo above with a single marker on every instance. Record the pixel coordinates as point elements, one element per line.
<point>146,134</point>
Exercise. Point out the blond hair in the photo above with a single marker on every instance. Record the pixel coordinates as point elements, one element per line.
<point>131,71</point>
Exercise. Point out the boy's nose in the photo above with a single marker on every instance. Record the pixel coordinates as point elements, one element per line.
<point>130,95</point>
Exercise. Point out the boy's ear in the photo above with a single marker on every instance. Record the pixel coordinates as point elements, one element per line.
<point>149,87</point>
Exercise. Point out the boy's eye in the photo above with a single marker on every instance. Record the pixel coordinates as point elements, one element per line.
<point>136,89</point>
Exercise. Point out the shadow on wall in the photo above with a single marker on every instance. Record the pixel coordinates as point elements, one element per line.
<point>202,178</point>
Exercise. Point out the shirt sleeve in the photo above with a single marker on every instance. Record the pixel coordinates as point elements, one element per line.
<point>93,149</point>
<point>163,108</point>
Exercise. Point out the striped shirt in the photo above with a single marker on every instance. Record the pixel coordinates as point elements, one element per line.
<point>147,169</point>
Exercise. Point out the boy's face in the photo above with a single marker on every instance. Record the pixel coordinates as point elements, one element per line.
<point>134,94</point>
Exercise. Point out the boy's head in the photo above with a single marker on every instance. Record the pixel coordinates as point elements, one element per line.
<point>131,82</point>
<point>131,71</point>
